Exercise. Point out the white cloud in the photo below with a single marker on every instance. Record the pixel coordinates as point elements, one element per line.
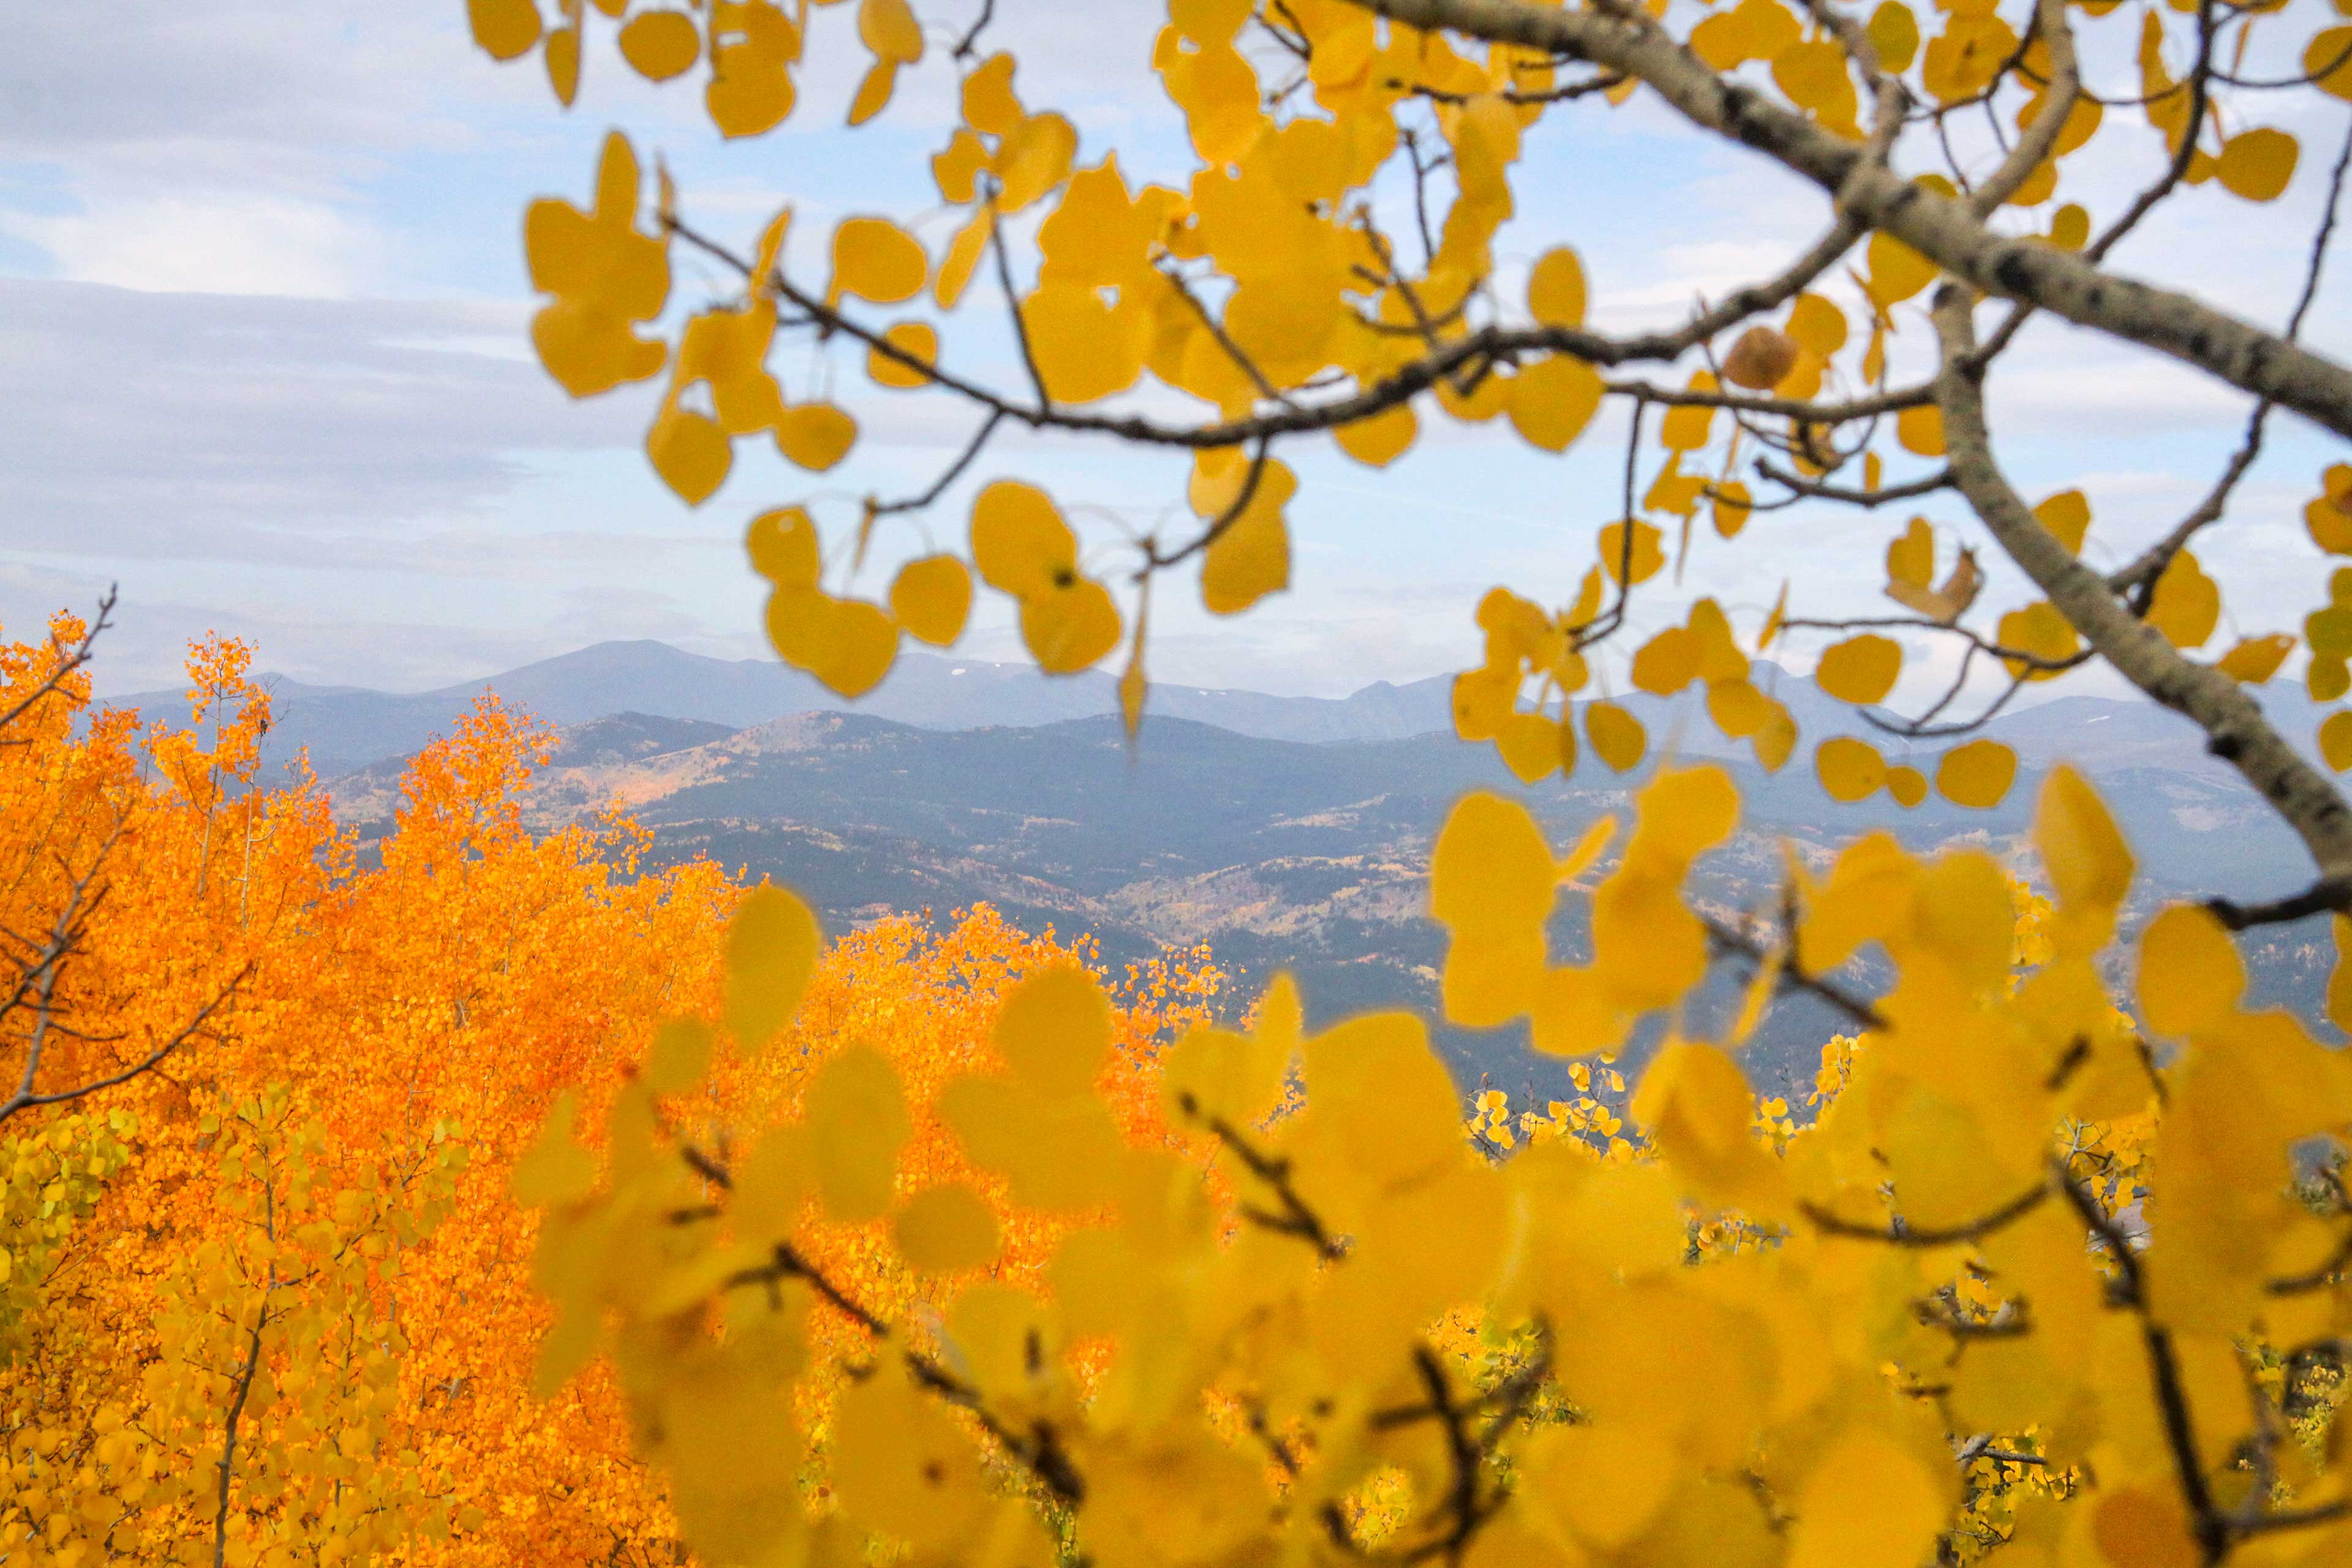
<point>221,242</point>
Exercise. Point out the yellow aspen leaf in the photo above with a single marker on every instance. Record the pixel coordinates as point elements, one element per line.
<point>1553,400</point>
<point>680,1055</point>
<point>1530,745</point>
<point>1556,291</point>
<point>1667,662</point>
<point>1097,235</point>
<point>2190,974</point>
<point>1897,271</point>
<point>914,340</point>
<point>1132,685</point>
<point>1850,770</point>
<point>962,259</point>
<point>1908,785</point>
<point>857,1118</point>
<point>2328,58</point>
<point>1490,870</point>
<point>2070,227</point>
<point>1644,547</point>
<point>2067,516</point>
<point>888,28</point>
<point>1817,325</point>
<point>990,105</point>
<point>931,597</point>
<point>589,350</point>
<point>1861,669</point>
<point>2329,515</point>
<point>1490,397</point>
<point>2327,677</point>
<point>1867,1502</point>
<point>771,949</point>
<point>1034,160</point>
<point>2255,659</point>
<point>1760,358</point>
<point>1252,557</point>
<point>1238,1077</point>
<point>556,1171</point>
<point>2041,630</point>
<point>2256,164</point>
<point>1738,709</point>
<point>1208,22</point>
<point>1588,849</point>
<point>562,56</point>
<point>1920,429</point>
<point>1381,438</point>
<point>1731,508</point>
<point>876,259</point>
<point>2143,1527</point>
<point>1482,699</point>
<point>1054,1031</point>
<point>1606,1486</point>
<point>874,89</point>
<point>816,436</point>
<point>956,169</point>
<point>1696,1103</point>
<point>1675,493</point>
<point>1070,627</point>
<point>1965,56</point>
<point>690,453</point>
<point>1686,428</point>
<point>1616,736</point>
<point>2336,740</point>
<point>1812,72</point>
<point>605,276</point>
<point>1684,813</point>
<point>847,643</point>
<point>1721,40</point>
<point>750,88</point>
<point>1949,602</point>
<point>902,1468</point>
<point>947,1230</point>
<point>1390,1105</point>
<point>2089,863</point>
<point>506,29</point>
<point>2187,604</point>
<point>785,548</point>
<point>1776,738</point>
<point>1977,774</point>
<point>1085,349</point>
<point>1019,543</point>
<point>1911,559</point>
<point>659,44</point>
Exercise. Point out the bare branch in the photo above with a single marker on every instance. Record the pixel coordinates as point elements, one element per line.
<point>1898,1233</point>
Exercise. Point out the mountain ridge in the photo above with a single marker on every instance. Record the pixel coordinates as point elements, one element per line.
<point>345,729</point>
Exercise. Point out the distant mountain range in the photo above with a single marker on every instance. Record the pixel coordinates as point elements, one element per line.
<point>1287,832</point>
<point>345,727</point>
<point>348,727</point>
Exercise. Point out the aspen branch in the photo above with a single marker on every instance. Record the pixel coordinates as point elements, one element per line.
<point>1944,230</point>
<point>2237,731</point>
<point>2041,138</point>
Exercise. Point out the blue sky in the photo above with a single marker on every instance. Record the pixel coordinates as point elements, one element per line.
<point>262,294</point>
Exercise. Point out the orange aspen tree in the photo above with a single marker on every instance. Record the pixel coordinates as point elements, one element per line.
<point>267,1298</point>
